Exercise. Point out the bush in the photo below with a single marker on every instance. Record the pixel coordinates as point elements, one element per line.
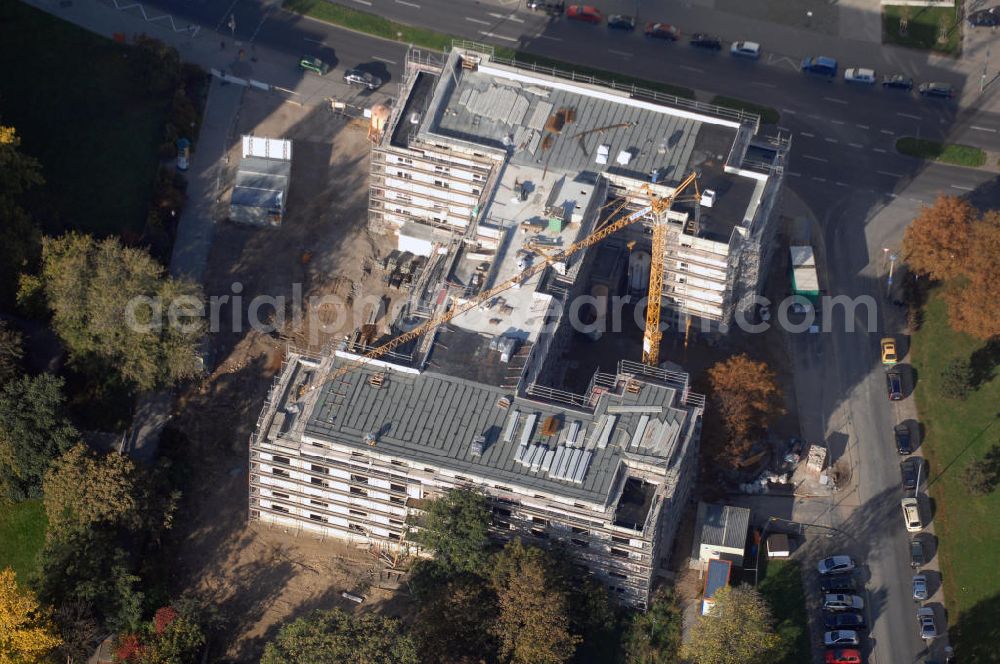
<point>957,378</point>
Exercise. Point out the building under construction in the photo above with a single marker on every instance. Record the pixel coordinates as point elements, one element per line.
<point>513,193</point>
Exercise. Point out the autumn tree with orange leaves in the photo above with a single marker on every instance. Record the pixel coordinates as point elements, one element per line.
<point>745,395</point>
<point>937,241</point>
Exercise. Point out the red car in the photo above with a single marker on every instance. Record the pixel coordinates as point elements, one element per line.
<point>846,656</point>
<point>584,13</point>
<point>662,31</point>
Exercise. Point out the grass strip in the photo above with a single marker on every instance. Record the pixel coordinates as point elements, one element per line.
<point>22,534</point>
<point>782,588</point>
<point>935,29</point>
<point>947,153</point>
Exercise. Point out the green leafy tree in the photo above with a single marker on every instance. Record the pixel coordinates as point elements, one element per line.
<point>956,378</point>
<point>456,527</point>
<point>11,353</point>
<point>654,637</point>
<point>111,307</point>
<point>738,630</point>
<point>20,238</point>
<point>33,431</point>
<point>336,636</point>
<point>454,622</point>
<point>533,626</point>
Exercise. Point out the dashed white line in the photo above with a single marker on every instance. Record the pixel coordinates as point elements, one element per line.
<point>856,145</point>
<point>819,179</point>
<point>907,115</point>
<point>838,122</point>
<point>408,4</point>
<point>815,117</point>
<point>694,69</point>
<point>621,53</point>
<point>886,132</point>
<point>880,150</point>
<point>890,174</point>
<point>841,184</point>
<point>830,140</point>
<point>835,100</point>
<point>550,38</point>
<point>363,2</point>
<point>793,174</point>
<point>861,126</point>
<point>962,187</point>
<point>385,60</point>
<point>983,129</point>
<point>788,110</point>
<point>315,41</point>
<point>496,36</point>
<point>476,20</point>
<point>807,134</point>
<point>809,156</point>
<point>509,17</point>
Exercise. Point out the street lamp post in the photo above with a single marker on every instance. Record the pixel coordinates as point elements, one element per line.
<point>232,24</point>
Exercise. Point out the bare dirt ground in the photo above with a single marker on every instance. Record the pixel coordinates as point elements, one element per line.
<point>259,576</point>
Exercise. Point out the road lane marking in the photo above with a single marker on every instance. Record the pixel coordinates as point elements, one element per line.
<point>509,17</point>
<point>962,187</point>
<point>861,126</point>
<point>819,179</point>
<point>887,132</point>
<point>694,69</point>
<point>911,117</point>
<point>838,122</point>
<point>408,4</point>
<point>809,156</point>
<point>793,174</point>
<point>890,174</point>
<point>880,150</point>
<point>983,129</point>
<point>830,140</point>
<point>788,110</point>
<point>621,53</point>
<point>315,41</point>
<point>815,117</point>
<point>841,184</point>
<point>807,134</point>
<point>385,60</point>
<point>835,100</point>
<point>496,36</point>
<point>856,145</point>
<point>476,20</point>
<point>550,38</point>
<point>363,2</point>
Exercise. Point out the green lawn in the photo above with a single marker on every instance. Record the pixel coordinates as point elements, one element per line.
<point>781,586</point>
<point>967,527</point>
<point>22,533</point>
<point>925,26</point>
<point>73,100</point>
<point>948,153</point>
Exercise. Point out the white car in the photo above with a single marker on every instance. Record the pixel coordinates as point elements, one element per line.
<point>911,515</point>
<point>843,603</point>
<point>841,637</point>
<point>745,49</point>
<point>835,564</point>
<point>928,628</point>
<point>860,75</point>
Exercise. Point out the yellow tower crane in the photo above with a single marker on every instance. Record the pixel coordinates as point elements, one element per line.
<point>659,205</point>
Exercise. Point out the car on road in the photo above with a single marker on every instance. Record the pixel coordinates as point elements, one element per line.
<point>584,13</point>
<point>888,345</point>
<point>550,8</point>
<point>835,565</point>
<point>901,433</point>
<point>841,637</point>
<point>897,82</point>
<point>928,627</point>
<point>920,587</point>
<point>894,382</point>
<point>820,65</point>
<point>911,514</point>
<point>908,470</point>
<point>314,65</point>
<point>662,31</point>
<point>707,42</point>
<point>843,656</point>
<point>917,555</point>
<point>838,602</point>
<point>859,75</point>
<point>363,78</point>
<point>838,583</point>
<point>621,22</point>
<point>844,620</point>
<point>935,89</point>
<point>986,18</point>
<point>745,49</point>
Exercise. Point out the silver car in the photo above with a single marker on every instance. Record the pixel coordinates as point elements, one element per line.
<point>358,77</point>
<point>838,602</point>
<point>920,587</point>
<point>928,628</point>
<point>841,637</point>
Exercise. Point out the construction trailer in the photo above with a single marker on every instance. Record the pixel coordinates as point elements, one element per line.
<point>805,281</point>
<point>261,188</point>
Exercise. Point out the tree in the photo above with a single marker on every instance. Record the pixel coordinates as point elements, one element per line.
<point>11,353</point>
<point>981,476</point>
<point>937,241</point>
<point>746,394</point>
<point>111,307</point>
<point>533,626</point>
<point>956,379</point>
<point>33,430</point>
<point>20,239</point>
<point>738,630</point>
<point>83,490</point>
<point>454,622</point>
<point>27,634</point>
<point>456,527</point>
<point>972,306</point>
<point>336,636</point>
<point>654,637</point>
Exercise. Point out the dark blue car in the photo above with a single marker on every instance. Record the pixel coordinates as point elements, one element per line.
<point>820,65</point>
<point>844,620</point>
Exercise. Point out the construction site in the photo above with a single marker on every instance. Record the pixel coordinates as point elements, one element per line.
<point>513,195</point>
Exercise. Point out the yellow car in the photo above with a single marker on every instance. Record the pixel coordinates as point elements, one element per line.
<point>889,351</point>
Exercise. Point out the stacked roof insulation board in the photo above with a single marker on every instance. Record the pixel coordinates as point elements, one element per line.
<point>805,281</point>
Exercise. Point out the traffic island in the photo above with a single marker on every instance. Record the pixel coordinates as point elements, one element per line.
<point>931,28</point>
<point>946,153</point>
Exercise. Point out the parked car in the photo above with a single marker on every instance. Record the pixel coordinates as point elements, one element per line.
<point>894,381</point>
<point>662,31</point>
<point>844,656</point>
<point>820,65</point>
<point>363,78</point>
<point>745,49</point>
<point>707,42</point>
<point>314,65</point>
<point>550,8</point>
<point>917,555</point>
<point>888,344</point>
<point>584,13</point>
<point>928,627</point>
<point>838,583</point>
<point>901,433</point>
<point>621,22</point>
<point>859,75</point>
<point>908,470</point>
<point>911,515</point>
<point>841,637</point>
<point>935,89</point>
<point>844,620</point>
<point>838,602</point>
<point>835,565</point>
<point>920,587</point>
<point>986,18</point>
<point>897,82</point>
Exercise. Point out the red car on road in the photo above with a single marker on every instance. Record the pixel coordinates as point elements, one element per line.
<point>845,656</point>
<point>584,13</point>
